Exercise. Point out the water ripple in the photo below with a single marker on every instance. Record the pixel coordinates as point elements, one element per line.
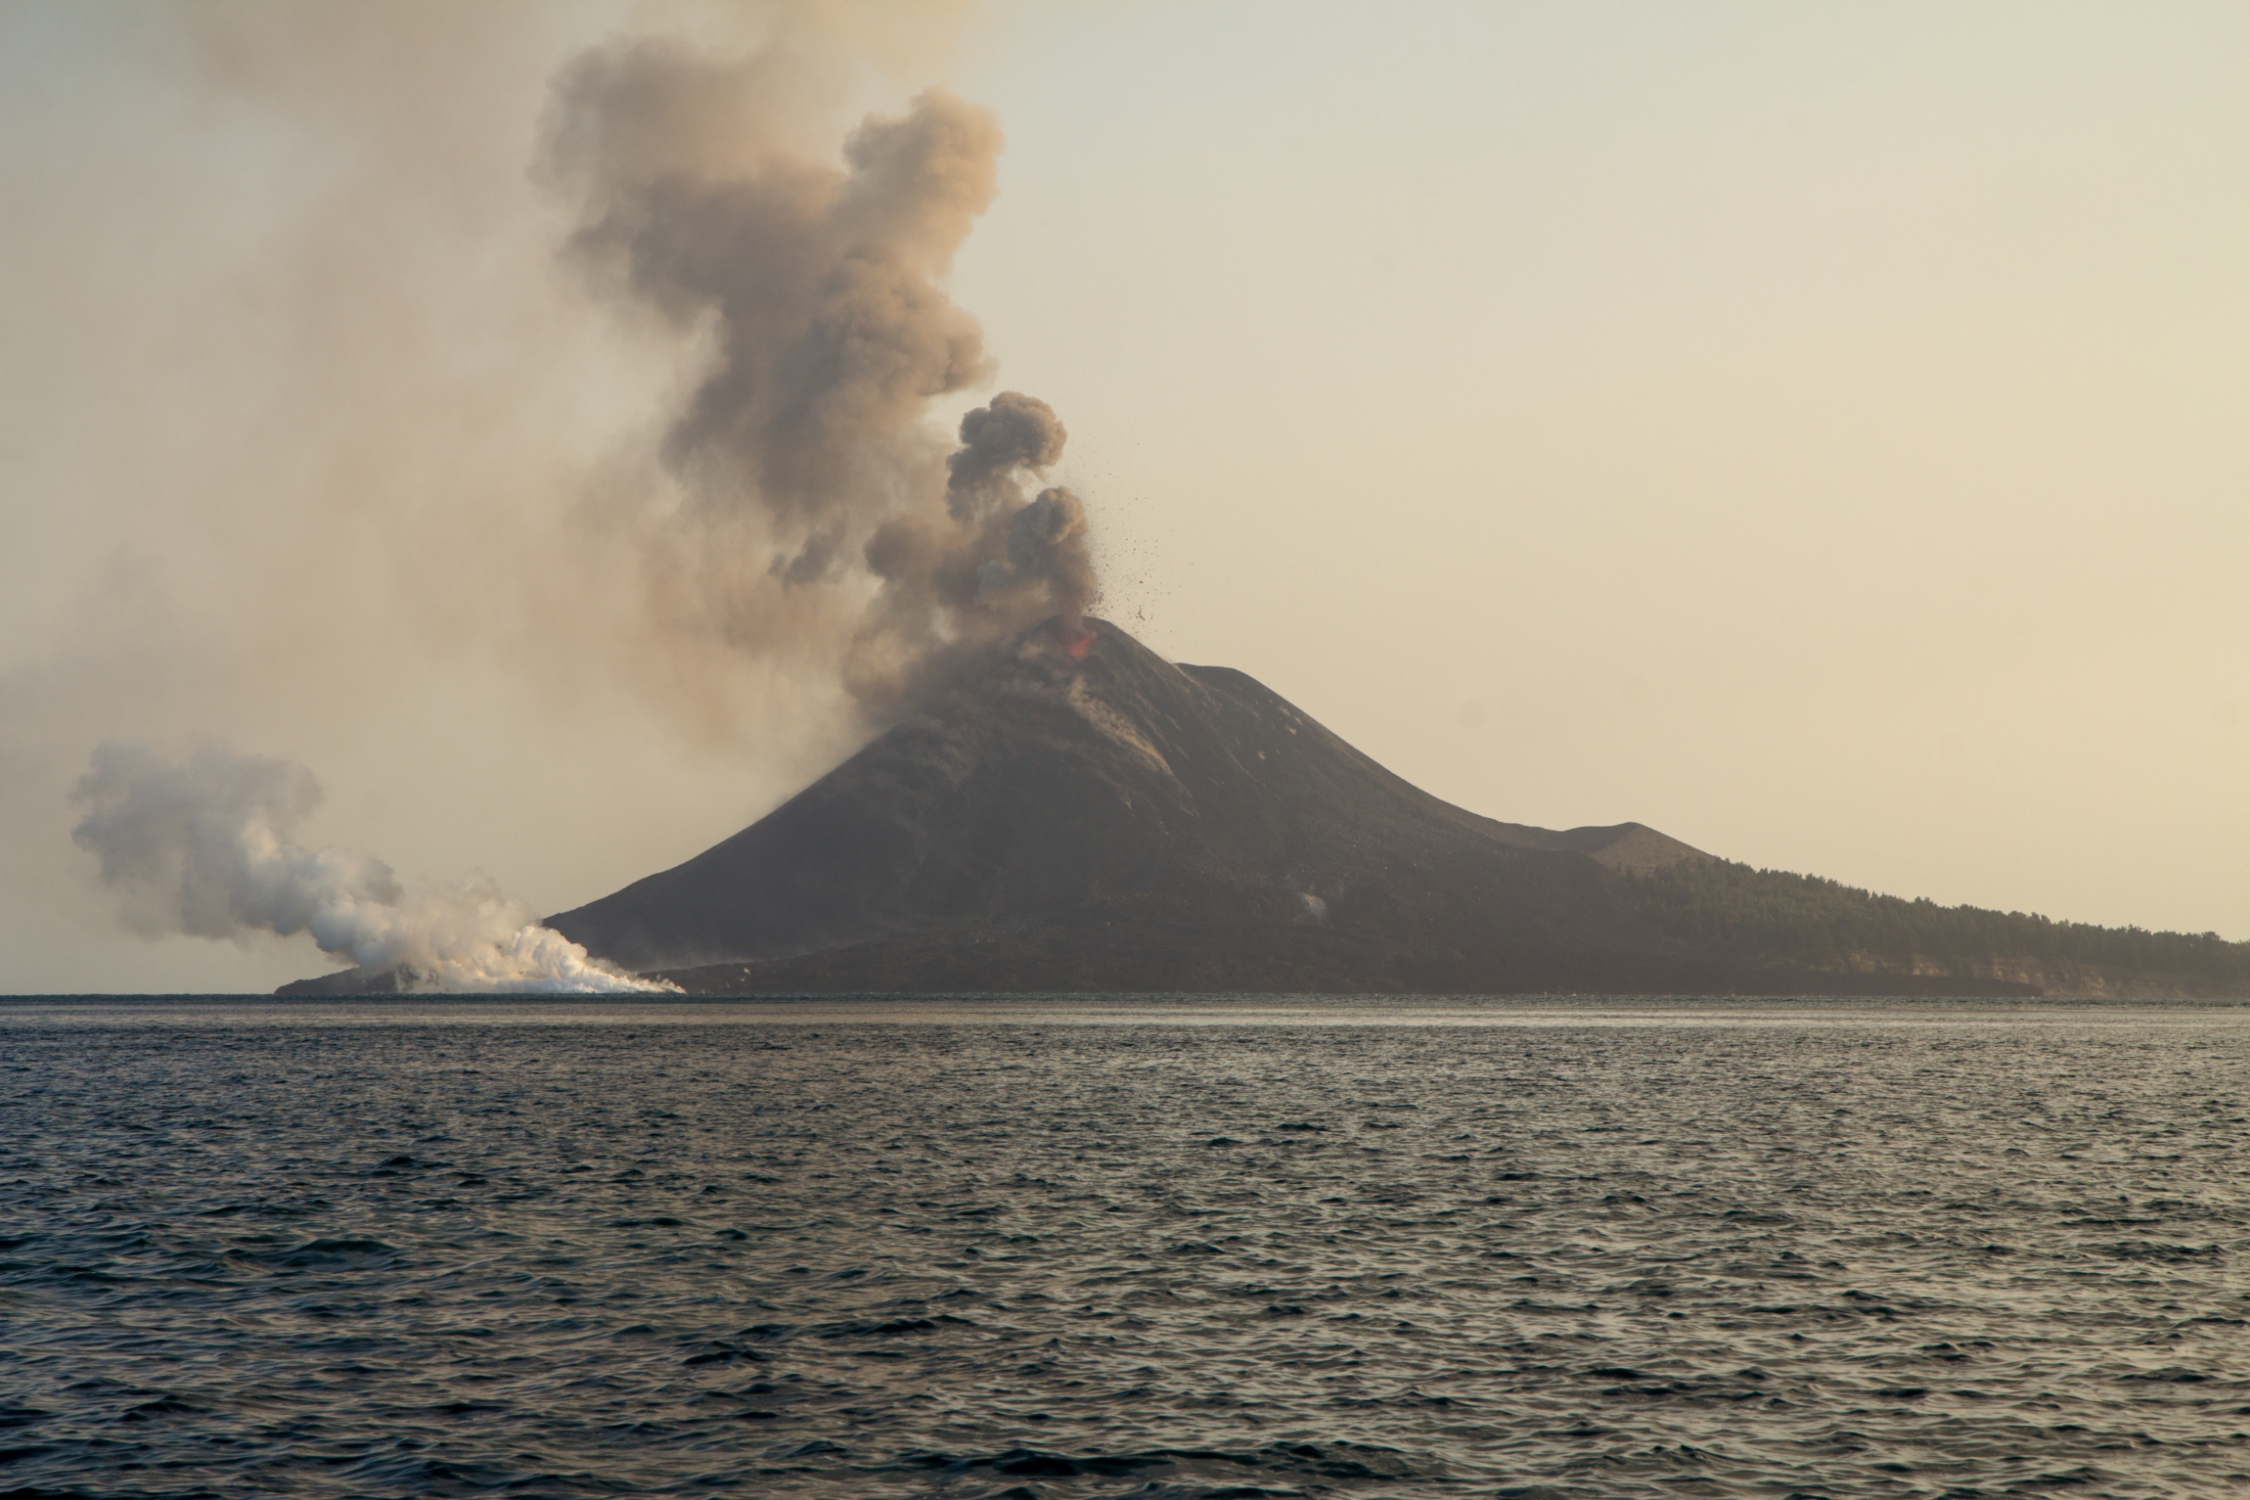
<point>428,1250</point>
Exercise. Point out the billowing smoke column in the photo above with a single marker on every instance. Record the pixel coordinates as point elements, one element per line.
<point>1038,547</point>
<point>202,846</point>
<point>807,444</point>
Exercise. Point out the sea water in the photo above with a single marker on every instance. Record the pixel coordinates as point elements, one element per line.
<point>1161,1249</point>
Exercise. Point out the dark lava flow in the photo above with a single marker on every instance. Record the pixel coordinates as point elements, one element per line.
<point>863,1251</point>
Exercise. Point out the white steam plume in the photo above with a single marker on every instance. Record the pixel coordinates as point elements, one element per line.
<point>202,846</point>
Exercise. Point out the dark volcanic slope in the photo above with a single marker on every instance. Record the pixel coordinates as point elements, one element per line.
<point>1118,822</point>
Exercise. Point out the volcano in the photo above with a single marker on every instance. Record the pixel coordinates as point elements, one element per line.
<point>1080,814</point>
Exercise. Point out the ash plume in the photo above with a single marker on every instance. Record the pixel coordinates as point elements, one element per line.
<point>1046,558</point>
<point>805,448</point>
<point>1014,432</point>
<point>202,846</point>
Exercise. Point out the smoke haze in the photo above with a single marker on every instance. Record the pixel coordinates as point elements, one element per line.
<point>204,846</point>
<point>465,378</point>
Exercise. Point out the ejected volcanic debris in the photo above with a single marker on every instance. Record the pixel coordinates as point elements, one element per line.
<point>1069,812</point>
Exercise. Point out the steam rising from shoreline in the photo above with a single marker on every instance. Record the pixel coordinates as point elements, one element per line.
<point>203,847</point>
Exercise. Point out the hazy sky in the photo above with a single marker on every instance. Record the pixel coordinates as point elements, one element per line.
<point>1819,432</point>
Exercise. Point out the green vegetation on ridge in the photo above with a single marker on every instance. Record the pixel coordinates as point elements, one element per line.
<point>1819,924</point>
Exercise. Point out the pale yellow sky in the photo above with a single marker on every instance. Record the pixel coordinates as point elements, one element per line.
<point>1822,433</point>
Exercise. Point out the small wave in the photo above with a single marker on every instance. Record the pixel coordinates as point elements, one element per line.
<point>331,1254</point>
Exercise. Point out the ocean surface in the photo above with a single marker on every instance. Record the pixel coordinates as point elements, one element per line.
<point>1049,1249</point>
